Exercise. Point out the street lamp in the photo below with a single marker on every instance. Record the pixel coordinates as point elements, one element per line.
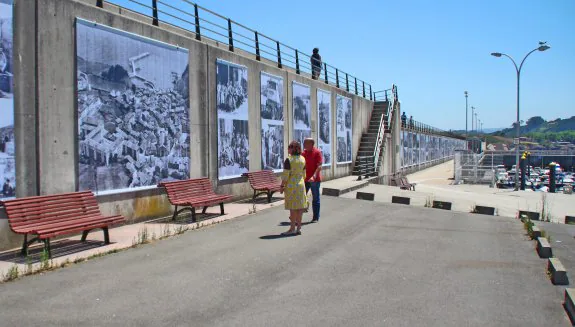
<point>542,47</point>
<point>476,126</point>
<point>472,119</point>
<point>466,94</point>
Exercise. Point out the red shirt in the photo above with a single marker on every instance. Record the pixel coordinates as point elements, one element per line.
<point>313,159</point>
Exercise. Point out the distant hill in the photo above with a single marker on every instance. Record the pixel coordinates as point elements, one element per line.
<point>539,125</point>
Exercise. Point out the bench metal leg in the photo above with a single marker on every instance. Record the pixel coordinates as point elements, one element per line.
<point>47,247</point>
<point>270,194</point>
<point>204,210</point>
<point>85,235</point>
<point>193,214</point>
<point>222,208</point>
<point>106,235</point>
<point>255,196</point>
<point>25,246</point>
<point>175,213</point>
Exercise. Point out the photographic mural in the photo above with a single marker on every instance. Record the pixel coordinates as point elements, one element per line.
<point>7,151</point>
<point>232,105</point>
<point>272,112</point>
<point>344,116</point>
<point>324,125</point>
<point>133,103</point>
<point>419,148</point>
<point>301,111</point>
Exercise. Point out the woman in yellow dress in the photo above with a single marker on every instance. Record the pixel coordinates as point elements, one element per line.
<point>294,187</point>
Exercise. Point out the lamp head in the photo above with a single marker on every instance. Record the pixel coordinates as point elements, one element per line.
<point>496,54</point>
<point>465,93</point>
<point>543,48</point>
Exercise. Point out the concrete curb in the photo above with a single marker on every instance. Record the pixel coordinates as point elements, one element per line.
<point>569,305</point>
<point>543,248</point>
<point>483,210</point>
<point>365,196</point>
<point>442,205</point>
<point>535,232</point>
<point>337,191</point>
<point>400,200</point>
<point>557,271</point>
<point>530,214</point>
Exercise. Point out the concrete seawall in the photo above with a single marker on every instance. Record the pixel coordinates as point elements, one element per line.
<point>46,118</point>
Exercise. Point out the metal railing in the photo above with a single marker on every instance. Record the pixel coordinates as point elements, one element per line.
<point>413,125</point>
<point>206,24</point>
<point>382,122</point>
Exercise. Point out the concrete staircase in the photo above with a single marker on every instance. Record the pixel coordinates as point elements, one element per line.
<point>365,164</point>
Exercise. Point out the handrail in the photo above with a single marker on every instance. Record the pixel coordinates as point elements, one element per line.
<point>191,17</point>
<point>382,121</point>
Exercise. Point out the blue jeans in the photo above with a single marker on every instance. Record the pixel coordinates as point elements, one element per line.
<point>314,186</point>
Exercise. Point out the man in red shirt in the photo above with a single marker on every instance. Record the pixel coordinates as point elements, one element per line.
<point>313,163</point>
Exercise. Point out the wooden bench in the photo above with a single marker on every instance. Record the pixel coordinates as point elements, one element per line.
<point>403,183</point>
<point>54,215</point>
<point>263,182</point>
<point>193,193</point>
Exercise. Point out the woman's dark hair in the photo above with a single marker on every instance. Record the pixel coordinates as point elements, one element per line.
<point>296,148</point>
<point>315,50</point>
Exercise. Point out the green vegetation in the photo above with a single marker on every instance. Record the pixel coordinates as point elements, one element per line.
<point>541,130</point>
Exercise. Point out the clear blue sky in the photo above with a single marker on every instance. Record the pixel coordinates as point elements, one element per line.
<point>434,50</point>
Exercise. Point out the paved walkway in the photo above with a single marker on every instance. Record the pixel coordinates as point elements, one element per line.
<point>364,264</point>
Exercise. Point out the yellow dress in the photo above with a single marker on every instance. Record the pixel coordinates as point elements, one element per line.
<point>294,190</point>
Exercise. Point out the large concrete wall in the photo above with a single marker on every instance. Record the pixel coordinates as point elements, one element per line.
<point>46,110</point>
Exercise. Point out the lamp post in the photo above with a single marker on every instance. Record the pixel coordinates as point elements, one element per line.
<point>542,47</point>
<point>466,115</point>
<point>476,127</point>
<point>472,119</point>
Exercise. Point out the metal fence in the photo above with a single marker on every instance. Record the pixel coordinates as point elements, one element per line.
<point>473,168</point>
<point>206,24</point>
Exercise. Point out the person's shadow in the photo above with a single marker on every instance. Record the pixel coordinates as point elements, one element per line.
<point>275,236</point>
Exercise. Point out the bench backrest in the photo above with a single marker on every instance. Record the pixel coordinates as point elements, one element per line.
<point>262,177</point>
<point>36,210</point>
<point>189,188</point>
<point>405,181</point>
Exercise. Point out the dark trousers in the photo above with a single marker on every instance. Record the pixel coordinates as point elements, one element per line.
<point>314,186</point>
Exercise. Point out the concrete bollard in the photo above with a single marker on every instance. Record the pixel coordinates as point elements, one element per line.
<point>543,248</point>
<point>365,196</point>
<point>400,200</point>
<point>330,191</point>
<point>535,232</point>
<point>442,205</point>
<point>569,304</point>
<point>483,210</point>
<point>570,220</point>
<point>529,214</point>
<point>557,271</point>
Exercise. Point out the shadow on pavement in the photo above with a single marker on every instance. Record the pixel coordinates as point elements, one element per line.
<point>186,219</point>
<point>275,236</point>
<point>261,200</point>
<point>287,223</point>
<point>59,249</point>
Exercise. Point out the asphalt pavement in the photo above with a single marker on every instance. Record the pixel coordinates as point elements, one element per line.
<point>364,264</point>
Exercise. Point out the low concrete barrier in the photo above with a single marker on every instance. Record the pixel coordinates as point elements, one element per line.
<point>400,200</point>
<point>442,205</point>
<point>483,210</point>
<point>529,214</point>
<point>330,191</point>
<point>543,248</point>
<point>570,220</point>
<point>569,305</point>
<point>557,271</point>
<point>535,232</point>
<point>365,196</point>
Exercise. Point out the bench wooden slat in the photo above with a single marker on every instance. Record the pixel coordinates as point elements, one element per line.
<point>77,223</point>
<point>40,225</point>
<point>264,182</point>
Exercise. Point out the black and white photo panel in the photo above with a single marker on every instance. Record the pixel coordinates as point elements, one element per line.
<point>301,111</point>
<point>233,133</point>
<point>344,129</point>
<point>272,117</point>
<point>7,144</point>
<point>324,124</point>
<point>133,109</point>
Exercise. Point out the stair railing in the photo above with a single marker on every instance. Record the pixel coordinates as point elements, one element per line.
<point>381,131</point>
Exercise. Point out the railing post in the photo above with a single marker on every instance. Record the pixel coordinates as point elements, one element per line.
<point>355,85</point>
<point>370,94</point>
<point>279,55</point>
<point>155,12</point>
<point>100,3</point>
<point>325,73</point>
<point>297,62</point>
<point>386,96</point>
<point>258,57</point>
<point>346,82</point>
<point>337,78</point>
<point>363,87</point>
<point>230,36</point>
<point>196,13</point>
